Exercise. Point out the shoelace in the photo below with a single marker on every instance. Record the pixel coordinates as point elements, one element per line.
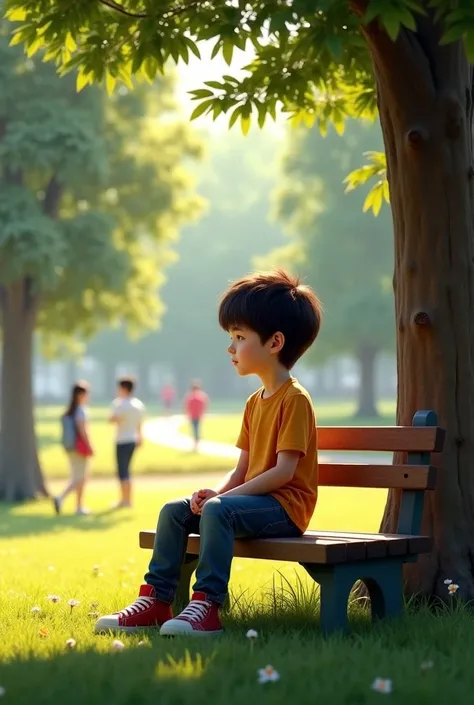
<point>196,610</point>
<point>140,604</point>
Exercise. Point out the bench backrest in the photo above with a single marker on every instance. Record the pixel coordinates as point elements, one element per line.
<point>418,441</point>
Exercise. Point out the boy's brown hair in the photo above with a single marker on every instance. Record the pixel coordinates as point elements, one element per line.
<point>267,302</point>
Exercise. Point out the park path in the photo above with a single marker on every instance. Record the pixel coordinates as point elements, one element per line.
<point>165,431</point>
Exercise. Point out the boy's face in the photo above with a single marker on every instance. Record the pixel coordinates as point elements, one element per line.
<point>249,356</point>
<point>122,392</point>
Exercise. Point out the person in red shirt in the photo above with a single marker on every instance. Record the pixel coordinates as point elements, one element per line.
<point>195,405</point>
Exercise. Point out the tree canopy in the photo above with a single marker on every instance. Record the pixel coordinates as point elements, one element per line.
<point>310,57</point>
<point>94,180</point>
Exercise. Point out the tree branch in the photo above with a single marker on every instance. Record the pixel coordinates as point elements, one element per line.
<point>118,8</point>
<point>143,15</point>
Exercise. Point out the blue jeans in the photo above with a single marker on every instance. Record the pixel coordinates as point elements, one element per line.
<point>223,519</point>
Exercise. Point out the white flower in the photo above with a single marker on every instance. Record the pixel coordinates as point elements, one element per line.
<point>426,665</point>
<point>448,581</point>
<point>54,598</point>
<point>268,675</point>
<point>2,691</point>
<point>118,645</point>
<point>252,634</point>
<point>95,568</point>
<point>382,685</point>
<point>51,568</point>
<point>35,609</point>
<point>453,588</point>
<point>73,603</point>
<point>71,643</point>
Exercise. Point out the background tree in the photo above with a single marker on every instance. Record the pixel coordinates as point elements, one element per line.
<point>322,60</point>
<point>92,191</point>
<point>343,252</point>
<point>211,252</point>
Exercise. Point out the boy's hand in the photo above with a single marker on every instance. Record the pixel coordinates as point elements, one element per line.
<point>199,499</point>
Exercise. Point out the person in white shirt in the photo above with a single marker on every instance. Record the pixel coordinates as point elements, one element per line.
<point>128,413</point>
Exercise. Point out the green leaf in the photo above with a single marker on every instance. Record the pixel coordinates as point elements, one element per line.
<point>193,47</point>
<point>374,199</point>
<point>230,79</point>
<point>245,124</point>
<point>391,23</point>
<point>214,84</point>
<point>82,80</point>
<point>150,65</point>
<point>16,14</point>
<point>202,108</point>
<point>216,48</point>
<point>200,93</point>
<point>227,52</point>
<point>17,37</point>
<point>262,114</point>
<point>110,82</point>
<point>453,34</point>
<point>235,115</point>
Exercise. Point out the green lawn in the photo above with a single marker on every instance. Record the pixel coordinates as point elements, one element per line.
<point>42,555</point>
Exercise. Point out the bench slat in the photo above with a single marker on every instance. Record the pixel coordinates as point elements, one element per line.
<point>316,547</point>
<point>411,477</point>
<point>381,438</point>
<point>414,544</point>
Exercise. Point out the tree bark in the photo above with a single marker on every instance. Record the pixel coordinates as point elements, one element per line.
<point>425,105</point>
<point>366,356</point>
<point>20,472</point>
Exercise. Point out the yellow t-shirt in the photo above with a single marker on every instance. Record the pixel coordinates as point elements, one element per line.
<point>284,421</point>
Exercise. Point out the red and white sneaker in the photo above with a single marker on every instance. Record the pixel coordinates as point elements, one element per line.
<point>145,612</point>
<point>199,618</point>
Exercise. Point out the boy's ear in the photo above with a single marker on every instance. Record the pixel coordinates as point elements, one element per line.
<point>278,341</point>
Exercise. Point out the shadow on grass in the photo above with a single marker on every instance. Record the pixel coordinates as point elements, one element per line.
<point>13,525</point>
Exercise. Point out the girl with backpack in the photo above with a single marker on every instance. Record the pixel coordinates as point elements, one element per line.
<point>76,442</point>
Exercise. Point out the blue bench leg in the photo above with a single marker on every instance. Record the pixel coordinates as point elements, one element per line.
<point>182,592</point>
<point>335,585</point>
<point>385,585</point>
<point>383,579</point>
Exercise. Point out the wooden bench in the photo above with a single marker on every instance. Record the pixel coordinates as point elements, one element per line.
<point>336,560</point>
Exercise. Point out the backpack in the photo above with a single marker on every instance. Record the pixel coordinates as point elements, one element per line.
<point>69,432</point>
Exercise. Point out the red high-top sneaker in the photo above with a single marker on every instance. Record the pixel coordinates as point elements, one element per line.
<point>199,618</point>
<point>145,612</point>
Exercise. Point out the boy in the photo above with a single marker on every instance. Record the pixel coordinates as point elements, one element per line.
<point>272,320</point>
<point>127,413</point>
<point>195,405</point>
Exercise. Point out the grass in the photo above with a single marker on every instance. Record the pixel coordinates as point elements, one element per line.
<point>156,459</point>
<point>41,555</point>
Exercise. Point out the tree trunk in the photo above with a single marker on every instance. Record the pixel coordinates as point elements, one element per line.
<point>367,355</point>
<point>425,105</point>
<point>20,472</point>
